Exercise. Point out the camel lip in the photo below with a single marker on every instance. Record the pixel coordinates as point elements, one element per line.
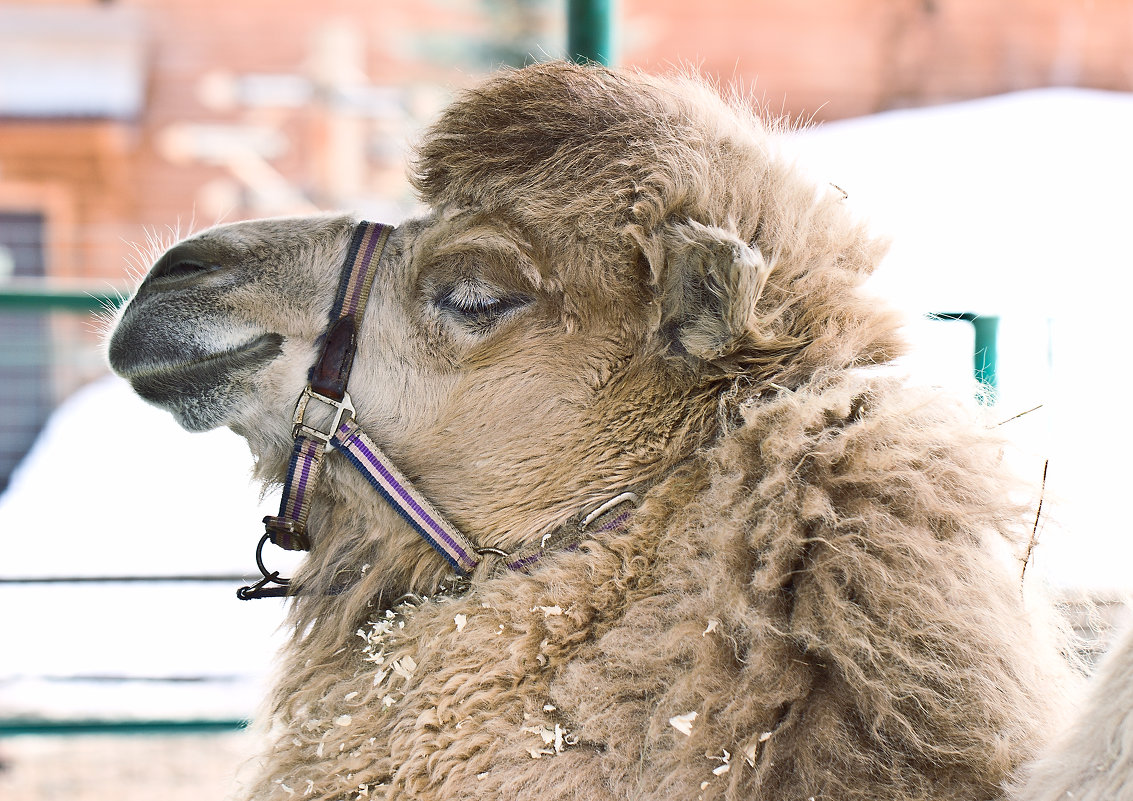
<point>256,351</point>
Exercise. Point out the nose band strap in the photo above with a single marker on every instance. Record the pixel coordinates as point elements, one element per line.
<point>358,272</point>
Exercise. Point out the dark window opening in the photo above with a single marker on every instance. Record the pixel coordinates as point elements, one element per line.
<point>25,378</point>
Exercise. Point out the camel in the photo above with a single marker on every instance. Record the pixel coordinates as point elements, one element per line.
<point>678,536</point>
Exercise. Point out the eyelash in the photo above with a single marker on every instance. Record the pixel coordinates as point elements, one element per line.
<point>471,305</point>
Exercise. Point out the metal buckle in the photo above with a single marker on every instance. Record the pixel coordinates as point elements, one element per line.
<point>342,407</point>
<point>288,534</point>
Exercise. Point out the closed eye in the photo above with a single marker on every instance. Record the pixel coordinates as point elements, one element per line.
<point>476,305</point>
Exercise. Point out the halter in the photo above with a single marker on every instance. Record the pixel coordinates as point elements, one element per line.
<point>327,385</point>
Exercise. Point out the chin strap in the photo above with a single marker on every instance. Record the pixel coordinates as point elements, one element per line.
<point>327,386</point>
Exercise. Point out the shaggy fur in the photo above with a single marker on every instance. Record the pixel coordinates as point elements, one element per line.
<point>808,603</point>
<point>866,644</point>
<point>1093,759</point>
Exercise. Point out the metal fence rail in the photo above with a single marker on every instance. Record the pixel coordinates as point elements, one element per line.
<point>16,727</point>
<point>41,296</point>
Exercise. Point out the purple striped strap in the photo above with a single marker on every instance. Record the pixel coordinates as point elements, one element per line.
<point>384,476</point>
<point>361,266</point>
<point>608,516</point>
<point>288,529</point>
<point>445,538</point>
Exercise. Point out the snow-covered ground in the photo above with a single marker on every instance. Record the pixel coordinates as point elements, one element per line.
<point>1018,206</point>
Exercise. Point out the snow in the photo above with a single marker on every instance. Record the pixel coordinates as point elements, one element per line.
<point>1001,201</point>
<point>116,487</point>
<point>142,496</point>
<point>1018,205</point>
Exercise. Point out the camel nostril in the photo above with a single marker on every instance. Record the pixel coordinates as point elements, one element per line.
<point>181,262</point>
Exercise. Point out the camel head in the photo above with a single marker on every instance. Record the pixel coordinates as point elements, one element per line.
<point>608,266</point>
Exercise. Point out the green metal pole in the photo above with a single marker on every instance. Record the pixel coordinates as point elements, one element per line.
<point>985,353</point>
<point>588,31</point>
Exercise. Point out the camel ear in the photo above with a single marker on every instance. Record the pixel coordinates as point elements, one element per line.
<point>709,284</point>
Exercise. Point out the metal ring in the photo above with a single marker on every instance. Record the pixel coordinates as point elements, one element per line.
<point>274,574</point>
<point>617,500</point>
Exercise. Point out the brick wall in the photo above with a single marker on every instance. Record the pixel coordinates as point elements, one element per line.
<point>105,185</point>
<point>844,58</point>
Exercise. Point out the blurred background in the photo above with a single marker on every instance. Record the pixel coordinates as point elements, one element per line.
<point>989,141</point>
